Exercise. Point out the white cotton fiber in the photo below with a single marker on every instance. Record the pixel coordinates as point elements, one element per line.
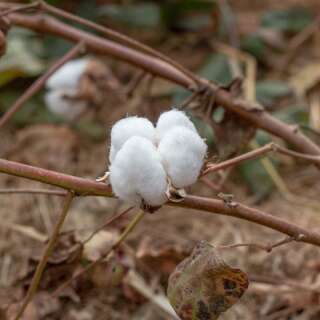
<point>137,173</point>
<point>127,128</point>
<point>171,119</point>
<point>58,103</point>
<point>182,152</point>
<point>68,76</point>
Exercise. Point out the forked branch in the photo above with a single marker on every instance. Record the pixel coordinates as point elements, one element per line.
<point>161,68</point>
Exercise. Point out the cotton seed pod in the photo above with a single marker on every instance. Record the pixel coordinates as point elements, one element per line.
<point>127,128</point>
<point>60,102</point>
<point>182,152</point>
<point>137,173</point>
<point>69,75</point>
<point>171,119</point>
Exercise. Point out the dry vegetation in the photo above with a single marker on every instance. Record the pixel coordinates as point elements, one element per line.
<point>285,283</point>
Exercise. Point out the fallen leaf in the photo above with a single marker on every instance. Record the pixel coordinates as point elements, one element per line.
<point>203,286</point>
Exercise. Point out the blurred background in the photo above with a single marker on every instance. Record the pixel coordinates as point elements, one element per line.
<point>274,46</point>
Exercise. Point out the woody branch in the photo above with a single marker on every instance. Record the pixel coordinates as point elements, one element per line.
<point>85,187</point>
<point>161,68</point>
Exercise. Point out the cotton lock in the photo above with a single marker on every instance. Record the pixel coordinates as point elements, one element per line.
<point>60,102</point>
<point>182,153</point>
<point>137,174</point>
<point>69,75</point>
<point>127,128</point>
<point>171,119</point>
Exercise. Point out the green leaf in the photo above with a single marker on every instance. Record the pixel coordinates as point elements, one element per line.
<point>269,91</point>
<point>140,15</point>
<point>190,15</point>
<point>254,45</point>
<point>296,114</point>
<point>216,68</point>
<point>256,177</point>
<point>288,20</point>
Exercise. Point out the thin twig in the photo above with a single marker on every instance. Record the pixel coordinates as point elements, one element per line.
<point>268,248</point>
<point>109,221</point>
<point>271,147</point>
<point>24,7</point>
<point>33,191</point>
<point>47,252</point>
<point>39,83</point>
<point>236,160</point>
<point>137,218</point>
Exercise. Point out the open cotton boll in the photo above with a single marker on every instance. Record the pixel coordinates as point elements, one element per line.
<point>182,152</point>
<point>127,128</point>
<point>58,103</point>
<point>112,153</point>
<point>171,119</point>
<point>68,76</point>
<point>137,173</point>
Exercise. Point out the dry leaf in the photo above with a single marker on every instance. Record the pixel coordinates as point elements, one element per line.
<point>203,286</point>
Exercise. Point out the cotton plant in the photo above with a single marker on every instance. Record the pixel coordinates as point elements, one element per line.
<point>149,165</point>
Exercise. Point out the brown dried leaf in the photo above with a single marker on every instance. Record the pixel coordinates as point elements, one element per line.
<point>203,286</point>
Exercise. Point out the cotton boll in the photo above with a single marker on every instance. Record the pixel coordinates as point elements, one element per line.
<point>112,153</point>
<point>182,152</point>
<point>137,173</point>
<point>171,119</point>
<point>127,128</point>
<point>57,102</point>
<point>68,76</point>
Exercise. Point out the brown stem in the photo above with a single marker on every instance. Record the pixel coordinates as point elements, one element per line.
<point>161,68</point>
<point>244,212</point>
<point>47,252</point>
<point>236,160</point>
<point>258,153</point>
<point>33,191</point>
<point>38,84</point>
<point>116,36</point>
<point>84,187</point>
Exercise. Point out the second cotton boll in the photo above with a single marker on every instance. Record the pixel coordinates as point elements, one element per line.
<point>127,128</point>
<point>137,174</point>
<point>182,152</point>
<point>63,89</point>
